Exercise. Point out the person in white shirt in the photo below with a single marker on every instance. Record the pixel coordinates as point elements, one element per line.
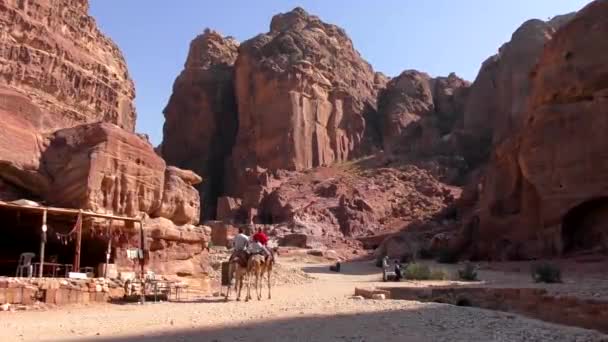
<point>240,243</point>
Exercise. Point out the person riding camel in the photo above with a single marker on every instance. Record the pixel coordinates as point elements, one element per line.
<point>261,238</point>
<point>240,243</point>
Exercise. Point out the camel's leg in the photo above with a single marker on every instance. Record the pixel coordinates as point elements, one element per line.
<point>258,284</point>
<point>230,272</point>
<point>248,288</point>
<point>269,273</point>
<point>239,283</point>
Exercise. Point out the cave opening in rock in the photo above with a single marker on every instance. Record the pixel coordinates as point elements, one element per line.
<point>585,227</point>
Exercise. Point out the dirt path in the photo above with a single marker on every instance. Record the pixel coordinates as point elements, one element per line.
<point>320,310</point>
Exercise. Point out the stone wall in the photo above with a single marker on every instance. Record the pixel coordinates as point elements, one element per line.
<point>532,302</point>
<point>56,291</point>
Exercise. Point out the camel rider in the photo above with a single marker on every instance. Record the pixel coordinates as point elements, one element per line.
<point>240,243</point>
<point>261,238</point>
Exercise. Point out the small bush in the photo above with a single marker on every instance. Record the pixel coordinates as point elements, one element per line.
<point>447,256</point>
<point>468,273</point>
<point>415,271</point>
<point>546,273</point>
<point>438,275</point>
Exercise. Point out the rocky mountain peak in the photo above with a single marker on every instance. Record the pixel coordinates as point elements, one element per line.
<point>211,48</point>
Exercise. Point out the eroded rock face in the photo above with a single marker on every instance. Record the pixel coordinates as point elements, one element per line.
<point>201,116</point>
<point>536,186</point>
<point>173,249</point>
<point>20,143</point>
<point>406,99</point>
<point>103,168</point>
<point>302,93</point>
<point>181,201</point>
<point>227,208</point>
<point>420,116</point>
<point>336,202</point>
<point>53,53</point>
<point>498,97</point>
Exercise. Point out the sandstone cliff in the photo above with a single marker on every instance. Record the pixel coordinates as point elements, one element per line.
<point>497,98</point>
<point>302,92</point>
<point>283,112</point>
<point>201,116</point>
<point>53,52</point>
<point>544,191</point>
<point>58,70</point>
<point>419,113</point>
<point>66,138</point>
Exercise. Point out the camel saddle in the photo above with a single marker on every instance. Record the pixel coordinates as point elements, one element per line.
<point>242,257</point>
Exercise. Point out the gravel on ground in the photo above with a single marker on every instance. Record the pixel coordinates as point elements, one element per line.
<point>320,309</point>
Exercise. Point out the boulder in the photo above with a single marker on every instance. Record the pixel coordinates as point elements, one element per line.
<point>187,176</point>
<point>54,53</point>
<point>227,208</point>
<point>102,168</point>
<point>222,234</point>
<point>173,249</point>
<point>302,92</point>
<point>401,246</point>
<point>181,201</point>
<point>294,240</point>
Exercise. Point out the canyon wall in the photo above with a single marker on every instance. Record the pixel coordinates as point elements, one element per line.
<point>544,190</point>
<point>67,134</point>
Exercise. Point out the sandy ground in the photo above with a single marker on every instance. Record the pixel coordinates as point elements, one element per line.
<point>317,310</point>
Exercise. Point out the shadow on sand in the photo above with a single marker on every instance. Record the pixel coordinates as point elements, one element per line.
<point>357,327</point>
<point>433,323</point>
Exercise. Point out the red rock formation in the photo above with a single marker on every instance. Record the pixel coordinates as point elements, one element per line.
<point>176,249</point>
<point>181,201</point>
<point>406,100</point>
<point>105,169</point>
<point>352,200</point>
<point>53,53</point>
<point>66,106</point>
<point>20,144</point>
<point>302,92</point>
<point>498,96</point>
<point>420,116</point>
<point>227,208</point>
<point>540,196</point>
<point>201,116</point>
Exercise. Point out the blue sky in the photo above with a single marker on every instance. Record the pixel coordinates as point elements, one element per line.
<point>435,36</point>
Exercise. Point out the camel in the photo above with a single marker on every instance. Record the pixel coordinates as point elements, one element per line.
<point>257,266</point>
<point>238,273</point>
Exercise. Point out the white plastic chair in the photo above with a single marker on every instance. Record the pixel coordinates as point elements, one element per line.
<point>25,264</point>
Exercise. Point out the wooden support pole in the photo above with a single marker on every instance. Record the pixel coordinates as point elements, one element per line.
<point>142,260</point>
<point>109,251</point>
<point>42,243</point>
<point>141,247</point>
<point>78,243</point>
